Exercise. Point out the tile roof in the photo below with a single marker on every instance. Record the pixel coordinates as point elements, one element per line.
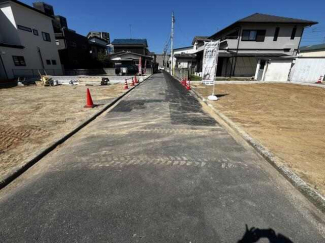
<point>265,18</point>
<point>130,42</point>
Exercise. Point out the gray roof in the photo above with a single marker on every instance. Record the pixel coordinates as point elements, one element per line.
<point>265,18</point>
<point>130,42</point>
<point>312,48</point>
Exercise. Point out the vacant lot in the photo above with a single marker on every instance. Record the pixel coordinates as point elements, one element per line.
<point>288,119</point>
<point>33,117</point>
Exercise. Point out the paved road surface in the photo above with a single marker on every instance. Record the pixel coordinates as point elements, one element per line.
<point>156,168</point>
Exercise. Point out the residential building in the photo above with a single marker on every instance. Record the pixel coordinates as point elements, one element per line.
<point>162,60</point>
<point>259,42</point>
<point>312,51</point>
<point>185,57</point>
<point>139,46</point>
<point>74,49</point>
<point>100,35</point>
<point>129,51</point>
<point>27,42</point>
<point>97,44</point>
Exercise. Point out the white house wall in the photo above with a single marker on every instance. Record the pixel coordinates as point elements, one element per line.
<point>32,43</point>
<point>313,54</point>
<point>278,70</point>
<point>307,70</point>
<point>283,41</point>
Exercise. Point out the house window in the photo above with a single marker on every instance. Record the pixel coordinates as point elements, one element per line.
<point>35,32</point>
<point>254,35</point>
<point>293,33</point>
<point>48,62</point>
<point>19,60</point>
<point>232,35</point>
<point>276,34</point>
<point>24,28</point>
<point>53,62</point>
<point>46,36</point>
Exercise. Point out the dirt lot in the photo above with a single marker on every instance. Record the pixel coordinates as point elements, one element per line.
<point>33,117</point>
<point>288,119</point>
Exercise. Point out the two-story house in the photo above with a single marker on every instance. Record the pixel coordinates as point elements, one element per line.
<point>129,51</point>
<point>256,43</point>
<point>253,42</point>
<point>27,42</point>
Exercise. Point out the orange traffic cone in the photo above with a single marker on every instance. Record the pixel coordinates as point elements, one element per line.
<point>135,79</point>
<point>132,84</point>
<point>90,103</point>
<point>320,80</point>
<point>126,84</point>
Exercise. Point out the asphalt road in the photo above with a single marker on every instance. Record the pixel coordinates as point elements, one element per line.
<point>156,168</point>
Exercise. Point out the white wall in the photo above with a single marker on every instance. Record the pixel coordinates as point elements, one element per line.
<point>188,50</point>
<point>283,41</point>
<point>278,70</point>
<point>8,27</point>
<point>307,70</point>
<point>32,43</point>
<point>320,53</point>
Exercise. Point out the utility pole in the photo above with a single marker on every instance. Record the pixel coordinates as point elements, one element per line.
<point>172,44</point>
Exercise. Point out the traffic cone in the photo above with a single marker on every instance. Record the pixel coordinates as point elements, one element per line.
<point>320,80</point>
<point>135,79</point>
<point>188,86</point>
<point>126,84</point>
<point>132,83</point>
<point>90,103</point>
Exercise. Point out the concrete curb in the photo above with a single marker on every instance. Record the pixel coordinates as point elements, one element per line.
<point>311,194</point>
<point>17,172</point>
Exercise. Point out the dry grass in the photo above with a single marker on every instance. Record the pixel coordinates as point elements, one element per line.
<point>288,119</point>
<point>33,117</point>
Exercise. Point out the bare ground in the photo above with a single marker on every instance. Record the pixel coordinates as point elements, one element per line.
<point>33,117</point>
<point>287,119</point>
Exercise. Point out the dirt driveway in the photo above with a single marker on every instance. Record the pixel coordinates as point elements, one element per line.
<point>33,117</point>
<point>288,119</point>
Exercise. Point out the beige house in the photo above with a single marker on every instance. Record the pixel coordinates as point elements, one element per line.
<point>312,51</point>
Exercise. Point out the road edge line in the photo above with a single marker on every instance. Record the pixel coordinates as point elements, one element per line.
<point>19,171</point>
<point>310,193</point>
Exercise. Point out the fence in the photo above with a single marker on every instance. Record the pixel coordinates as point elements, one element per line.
<point>33,73</point>
<point>182,73</point>
<point>307,70</point>
<point>76,72</point>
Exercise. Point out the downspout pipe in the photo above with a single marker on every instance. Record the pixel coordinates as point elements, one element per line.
<point>3,65</point>
<point>239,36</point>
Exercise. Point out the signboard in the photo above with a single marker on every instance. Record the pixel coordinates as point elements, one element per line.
<point>210,62</point>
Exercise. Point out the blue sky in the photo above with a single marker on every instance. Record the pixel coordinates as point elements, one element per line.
<point>152,19</point>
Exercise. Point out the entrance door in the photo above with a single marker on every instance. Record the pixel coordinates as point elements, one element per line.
<point>261,70</point>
